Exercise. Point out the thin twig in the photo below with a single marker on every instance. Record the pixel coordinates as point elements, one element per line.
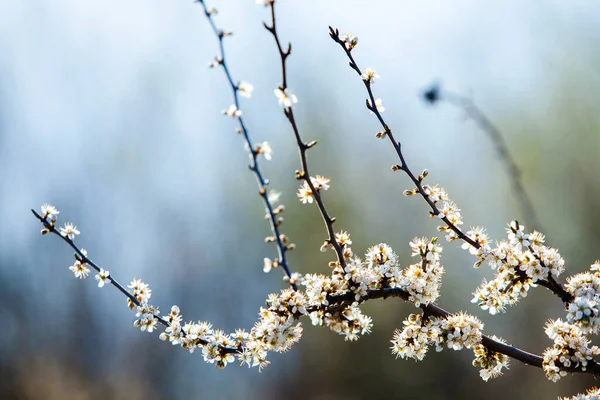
<point>282,248</point>
<point>550,284</point>
<point>302,146</point>
<point>472,110</point>
<point>80,254</point>
<point>397,145</point>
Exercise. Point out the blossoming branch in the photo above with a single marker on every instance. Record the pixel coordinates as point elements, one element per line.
<point>520,262</point>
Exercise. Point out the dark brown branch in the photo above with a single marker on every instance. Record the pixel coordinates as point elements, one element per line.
<point>302,146</point>
<point>337,304</point>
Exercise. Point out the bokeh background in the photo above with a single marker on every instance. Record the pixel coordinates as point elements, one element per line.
<point>107,110</point>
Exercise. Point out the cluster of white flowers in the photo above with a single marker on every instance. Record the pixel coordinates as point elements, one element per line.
<point>522,261</point>
<point>590,394</point>
<point>380,270</point>
<point>423,280</point>
<point>332,301</point>
<point>305,193</point>
<point>276,330</point>
<point>217,347</point>
<point>490,362</point>
<point>571,349</point>
<point>322,291</point>
<point>415,337</point>
<point>456,332</point>
<point>446,207</point>
<point>145,312</point>
<point>583,310</point>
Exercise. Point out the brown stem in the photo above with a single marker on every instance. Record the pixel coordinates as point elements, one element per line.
<point>302,146</point>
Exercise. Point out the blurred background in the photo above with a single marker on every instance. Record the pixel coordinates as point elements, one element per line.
<point>109,112</point>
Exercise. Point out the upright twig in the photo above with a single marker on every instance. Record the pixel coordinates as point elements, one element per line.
<point>278,237</point>
<point>474,112</point>
<point>371,105</point>
<point>302,146</point>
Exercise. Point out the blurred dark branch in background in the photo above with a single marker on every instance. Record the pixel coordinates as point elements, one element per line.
<point>435,94</point>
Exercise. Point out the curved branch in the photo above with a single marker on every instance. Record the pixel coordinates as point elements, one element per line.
<point>337,304</point>
<point>85,259</point>
<point>550,284</point>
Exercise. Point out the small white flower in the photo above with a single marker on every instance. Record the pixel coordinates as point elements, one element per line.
<point>49,212</point>
<point>370,75</point>
<point>285,97</point>
<point>69,231</point>
<point>273,196</point>
<point>305,194</point>
<point>265,149</point>
<point>349,40</point>
<point>80,270</point>
<point>320,182</point>
<point>378,105</point>
<point>232,111</point>
<point>268,265</point>
<point>245,89</point>
<point>102,277</point>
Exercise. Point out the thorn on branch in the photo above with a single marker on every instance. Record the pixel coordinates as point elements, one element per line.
<point>267,27</point>
<point>334,33</point>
